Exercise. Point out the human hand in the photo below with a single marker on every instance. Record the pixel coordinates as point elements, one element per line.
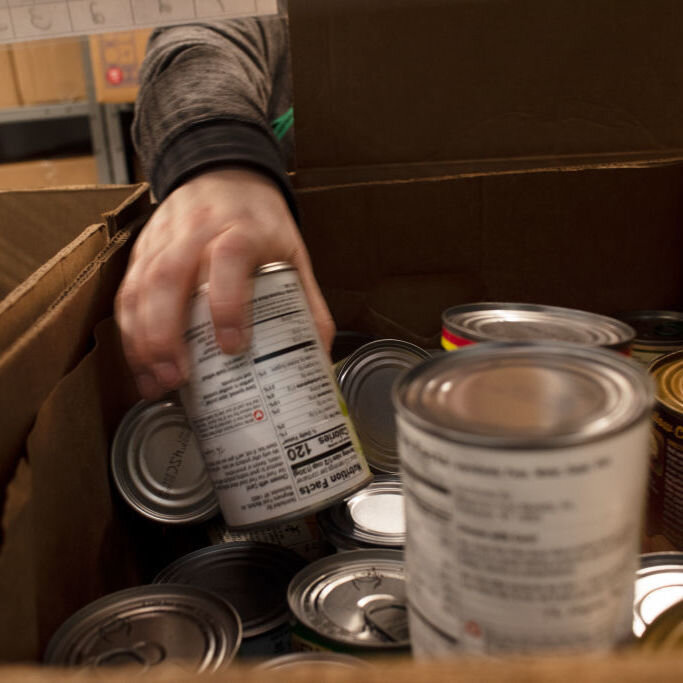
<point>227,223</point>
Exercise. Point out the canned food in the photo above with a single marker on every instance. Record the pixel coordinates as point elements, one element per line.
<point>665,501</point>
<point>253,577</point>
<point>371,518</point>
<point>659,584</point>
<point>303,536</point>
<point>657,333</point>
<point>665,633</point>
<point>351,602</point>
<point>365,379</point>
<point>524,469</point>
<point>149,625</point>
<point>308,660</point>
<point>512,322</point>
<point>271,424</point>
<point>157,467</point>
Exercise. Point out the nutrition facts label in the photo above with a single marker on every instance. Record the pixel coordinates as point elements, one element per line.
<point>34,19</point>
<point>270,423</point>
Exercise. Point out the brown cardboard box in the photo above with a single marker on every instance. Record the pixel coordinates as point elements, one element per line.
<point>9,94</point>
<point>116,59</point>
<point>55,172</point>
<point>50,70</point>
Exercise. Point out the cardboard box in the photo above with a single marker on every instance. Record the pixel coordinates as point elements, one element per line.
<point>9,94</point>
<point>116,59</point>
<point>81,170</point>
<point>50,70</point>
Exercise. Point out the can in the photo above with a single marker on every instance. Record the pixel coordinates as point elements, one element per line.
<point>659,584</point>
<point>665,633</point>
<point>657,333</point>
<point>524,469</point>
<point>371,518</point>
<point>514,322</point>
<point>365,379</point>
<point>308,660</point>
<point>303,536</point>
<point>352,602</point>
<point>157,467</point>
<point>149,625</point>
<point>253,577</point>
<point>665,499</point>
<point>271,423</point>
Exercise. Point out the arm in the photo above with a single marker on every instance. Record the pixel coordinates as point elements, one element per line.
<point>202,130</point>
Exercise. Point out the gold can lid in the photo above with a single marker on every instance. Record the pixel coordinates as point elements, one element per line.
<point>667,372</point>
<point>665,633</point>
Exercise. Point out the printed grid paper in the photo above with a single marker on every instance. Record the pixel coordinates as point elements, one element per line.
<point>35,19</point>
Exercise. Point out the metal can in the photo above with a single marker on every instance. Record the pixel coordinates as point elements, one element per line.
<point>303,536</point>
<point>157,467</point>
<point>253,577</point>
<point>371,518</point>
<point>351,602</point>
<point>365,379</point>
<point>524,469</point>
<point>271,424</point>
<point>659,584</point>
<point>665,500</point>
<point>657,333</point>
<point>148,625</point>
<point>514,322</point>
<point>308,660</point>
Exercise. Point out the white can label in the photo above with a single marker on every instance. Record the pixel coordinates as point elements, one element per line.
<point>523,550</point>
<point>271,424</point>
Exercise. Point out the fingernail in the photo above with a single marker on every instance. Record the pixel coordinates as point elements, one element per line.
<point>230,339</point>
<point>147,386</point>
<point>167,374</point>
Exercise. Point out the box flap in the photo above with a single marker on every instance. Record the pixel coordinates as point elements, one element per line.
<point>398,81</point>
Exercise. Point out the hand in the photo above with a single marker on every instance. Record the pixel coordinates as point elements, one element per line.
<point>226,223</point>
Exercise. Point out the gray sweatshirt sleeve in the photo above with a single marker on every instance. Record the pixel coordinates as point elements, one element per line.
<point>208,95</point>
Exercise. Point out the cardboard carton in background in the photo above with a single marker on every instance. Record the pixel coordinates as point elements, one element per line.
<point>9,94</point>
<point>49,70</point>
<point>55,172</point>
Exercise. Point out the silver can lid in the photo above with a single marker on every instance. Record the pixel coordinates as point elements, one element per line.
<point>497,321</point>
<point>157,465</point>
<point>372,517</point>
<point>307,660</point>
<point>659,585</point>
<point>148,625</point>
<point>365,379</point>
<point>354,598</point>
<point>525,395</point>
<point>663,328</point>
<point>253,577</point>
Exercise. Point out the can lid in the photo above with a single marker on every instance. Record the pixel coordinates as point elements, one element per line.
<point>157,465</point>
<point>497,321</point>
<point>665,633</point>
<point>667,371</point>
<point>326,660</point>
<point>148,625</point>
<point>365,379</point>
<point>655,327</point>
<point>525,395</point>
<point>354,598</point>
<point>659,584</point>
<point>253,577</point>
<point>274,267</point>
<point>372,517</point>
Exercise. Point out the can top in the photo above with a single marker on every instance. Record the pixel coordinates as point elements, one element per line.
<point>365,379</point>
<point>659,584</point>
<point>300,660</point>
<point>667,371</point>
<point>663,328</point>
<point>148,625</point>
<point>274,267</point>
<point>374,516</point>
<point>157,465</point>
<point>525,395</point>
<point>251,576</point>
<point>497,321</point>
<point>665,633</point>
<point>354,598</point>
